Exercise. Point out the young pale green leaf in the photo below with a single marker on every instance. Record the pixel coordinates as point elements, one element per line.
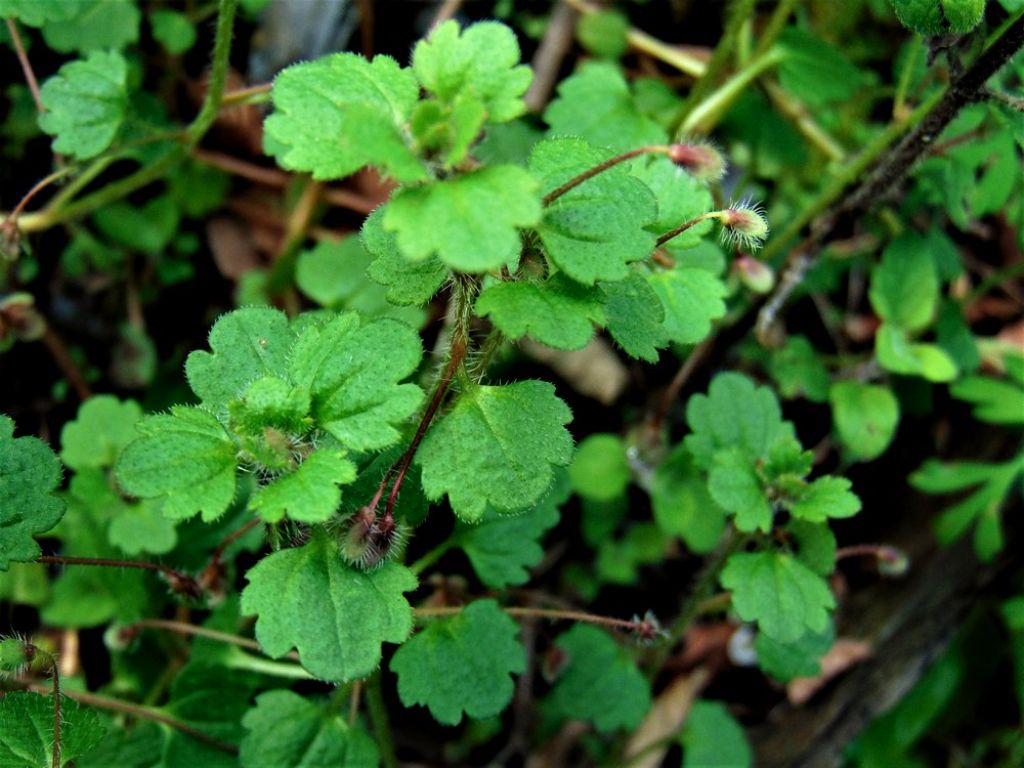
<point>799,371</point>
<point>173,30</point>
<point>286,730</point>
<point>904,287</point>
<point>470,222</point>
<point>310,494</point>
<point>682,504</point>
<point>595,104</point>
<point>734,484</point>
<point>29,474</point>
<point>711,738</point>
<point>635,317</point>
<point>246,344</point>
<point>600,469</point>
<point>898,354</point>
<point>481,62</point>
<point>558,312</point>
<point>85,104</point>
<point>340,113</point>
<point>501,549</point>
<point>407,282</point>
<point>593,231</point>
<point>734,413</point>
<point>601,682</point>
<point>866,417</point>
<point>307,598</point>
<point>36,13</point>
<point>140,527</point>
<point>184,458</point>
<point>824,498</point>
<point>26,730</point>
<point>497,446</point>
<point>692,298</point>
<point>461,664</point>
<point>97,25</point>
<point>103,427</point>
<point>799,658</point>
<point>780,593</point>
<point>352,372</point>
<point>994,400</point>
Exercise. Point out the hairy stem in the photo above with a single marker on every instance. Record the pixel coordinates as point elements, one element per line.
<point>685,226</point>
<point>145,713</point>
<point>174,577</point>
<point>218,72</point>
<point>555,614</point>
<point>590,173</point>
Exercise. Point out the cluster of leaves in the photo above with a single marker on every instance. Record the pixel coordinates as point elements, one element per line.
<point>542,235</point>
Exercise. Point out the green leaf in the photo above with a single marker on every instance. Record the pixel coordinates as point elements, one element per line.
<point>595,104</point>
<point>340,113</point>
<point>407,282</point>
<point>173,30</point>
<point>603,33</point>
<point>963,15</point>
<point>619,560</point>
<point>310,494</point>
<point>352,372</point>
<point>501,549</point>
<point>635,317</point>
<point>149,228</point>
<point>98,24</point>
<point>682,504</point>
<point>601,683</point>
<point>898,354</point>
<point>29,474</point>
<point>286,730</point>
<point>824,498</point>
<point>994,400</point>
<point>246,344</point>
<point>680,198</point>
<point>866,417</point>
<point>922,16</point>
<point>692,298</point>
<point>26,730</point>
<point>734,484</point>
<point>470,222</point>
<point>904,287</point>
<point>557,312</point>
<point>799,658</point>
<point>593,231</point>
<point>85,104</point>
<point>815,545</point>
<point>138,528</point>
<point>103,427</point>
<point>779,592</point>
<point>815,71</point>
<point>186,459</point>
<point>498,446</point>
<point>461,664</point>
<point>600,469</point>
<point>307,598</point>
<point>734,413</point>
<point>798,370</point>
<point>36,13</point>
<point>481,63</point>
<point>711,738</point>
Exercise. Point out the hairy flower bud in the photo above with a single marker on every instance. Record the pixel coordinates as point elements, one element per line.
<point>700,159</point>
<point>754,274</point>
<point>744,224</point>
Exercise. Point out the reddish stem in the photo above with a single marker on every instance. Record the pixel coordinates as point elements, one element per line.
<point>180,582</point>
<point>611,162</point>
<point>26,65</point>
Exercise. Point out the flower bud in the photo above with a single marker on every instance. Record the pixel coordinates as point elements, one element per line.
<point>700,159</point>
<point>754,274</point>
<point>744,224</point>
<point>892,562</point>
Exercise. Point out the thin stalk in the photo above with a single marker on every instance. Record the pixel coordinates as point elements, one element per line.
<point>801,118</point>
<point>254,94</point>
<point>218,72</point>
<point>58,718</point>
<point>145,713</point>
<point>433,556</point>
<point>685,226</point>
<point>775,24</point>
<point>12,218</point>
<point>191,629</point>
<point>264,666</point>
<point>554,614</point>
<point>173,577</point>
<point>379,719</point>
<point>899,101</point>
<point>705,115</point>
<point>611,162</point>
<point>26,65</point>
<point>353,703</point>
<point>62,357</point>
<point>738,12</point>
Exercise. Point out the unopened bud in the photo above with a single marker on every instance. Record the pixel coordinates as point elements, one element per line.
<point>15,654</point>
<point>367,541</point>
<point>744,224</point>
<point>754,274</point>
<point>700,159</point>
<point>892,562</point>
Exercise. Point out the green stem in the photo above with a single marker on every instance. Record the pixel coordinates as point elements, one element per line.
<point>381,723</point>
<point>738,13</point>
<point>899,101</point>
<point>242,660</point>
<point>218,72</point>
<point>773,28</point>
<point>433,555</point>
<point>705,115</point>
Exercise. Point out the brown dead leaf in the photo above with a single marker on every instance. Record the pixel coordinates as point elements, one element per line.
<point>595,371</point>
<point>844,654</point>
<point>232,247</point>
<point>665,718</point>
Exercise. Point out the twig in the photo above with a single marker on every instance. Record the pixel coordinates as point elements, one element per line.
<point>179,581</point>
<point>26,65</point>
<point>448,9</point>
<point>145,713</point>
<point>547,61</point>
